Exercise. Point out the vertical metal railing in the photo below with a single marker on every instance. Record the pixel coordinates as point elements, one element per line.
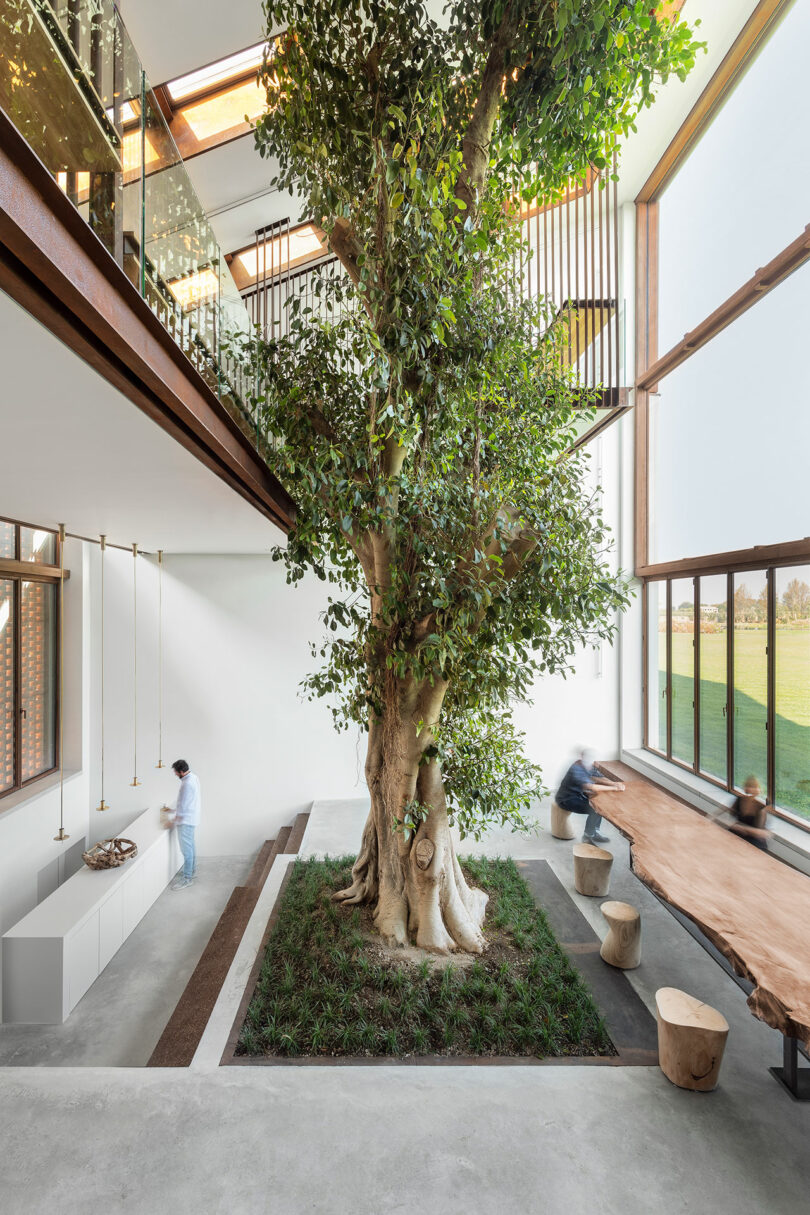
<point>571,257</point>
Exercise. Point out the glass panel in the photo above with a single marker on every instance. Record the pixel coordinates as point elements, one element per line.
<point>7,539</point>
<point>78,94</point>
<point>793,689</point>
<point>713,669</point>
<point>657,665</point>
<point>717,416</point>
<point>683,670</point>
<point>37,678</point>
<point>6,683</point>
<point>38,546</point>
<point>757,165</point>
<point>750,678</point>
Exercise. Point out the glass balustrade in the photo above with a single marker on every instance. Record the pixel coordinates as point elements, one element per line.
<point>73,85</point>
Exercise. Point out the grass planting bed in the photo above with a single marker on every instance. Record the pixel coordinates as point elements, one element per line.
<point>329,987</point>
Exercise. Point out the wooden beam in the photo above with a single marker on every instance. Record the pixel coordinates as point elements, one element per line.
<point>762,556</point>
<point>765,279</point>
<point>753,34</point>
<point>31,571</point>
<point>646,348</point>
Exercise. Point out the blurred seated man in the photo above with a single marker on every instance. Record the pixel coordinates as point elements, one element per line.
<point>750,814</point>
<point>581,781</point>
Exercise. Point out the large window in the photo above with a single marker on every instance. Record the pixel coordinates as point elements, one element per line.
<point>29,585</point>
<point>722,422</point>
<point>729,433</point>
<point>728,679</point>
<point>741,195</point>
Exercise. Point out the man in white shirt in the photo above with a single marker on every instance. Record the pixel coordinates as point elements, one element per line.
<point>186,818</point>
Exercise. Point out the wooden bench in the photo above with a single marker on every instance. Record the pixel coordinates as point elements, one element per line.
<point>749,910</point>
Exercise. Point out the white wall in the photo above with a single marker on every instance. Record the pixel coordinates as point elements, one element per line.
<point>235,647</point>
<point>582,709</point>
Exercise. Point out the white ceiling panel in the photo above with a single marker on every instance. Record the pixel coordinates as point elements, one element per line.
<point>74,450</point>
<point>721,22</point>
<point>233,185</point>
<point>173,37</point>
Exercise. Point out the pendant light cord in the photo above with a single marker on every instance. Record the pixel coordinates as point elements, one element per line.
<point>103,544</point>
<point>160,659</point>
<point>135,780</point>
<point>61,834</point>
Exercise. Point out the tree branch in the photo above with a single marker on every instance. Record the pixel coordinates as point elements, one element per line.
<point>475,143</point>
<point>346,246</point>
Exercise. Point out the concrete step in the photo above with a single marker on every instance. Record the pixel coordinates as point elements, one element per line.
<point>259,865</point>
<point>297,833</point>
<point>279,845</point>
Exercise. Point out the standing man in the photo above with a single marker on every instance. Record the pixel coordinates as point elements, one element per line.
<point>186,818</point>
<point>580,782</point>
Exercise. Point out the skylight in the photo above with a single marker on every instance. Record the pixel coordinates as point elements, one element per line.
<point>223,72</point>
<point>278,254</point>
<point>194,289</point>
<point>226,111</point>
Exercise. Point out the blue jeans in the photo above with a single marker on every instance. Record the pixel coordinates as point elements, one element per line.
<point>580,804</point>
<point>185,836</point>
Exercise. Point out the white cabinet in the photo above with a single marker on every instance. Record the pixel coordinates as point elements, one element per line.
<point>54,954</point>
<point>134,900</point>
<point>110,927</point>
<point>81,960</point>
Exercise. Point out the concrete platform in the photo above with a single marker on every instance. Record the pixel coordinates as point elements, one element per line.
<point>572,1140</point>
<point>118,1022</point>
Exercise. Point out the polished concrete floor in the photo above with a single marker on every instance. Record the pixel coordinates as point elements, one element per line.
<point>119,1020</point>
<point>556,1140</point>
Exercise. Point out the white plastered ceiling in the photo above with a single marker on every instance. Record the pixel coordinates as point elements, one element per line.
<point>74,450</point>
<point>173,37</point>
<point>720,23</point>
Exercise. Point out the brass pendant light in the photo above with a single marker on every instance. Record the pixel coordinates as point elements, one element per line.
<point>61,833</point>
<point>135,780</point>
<point>160,763</point>
<point>102,805</point>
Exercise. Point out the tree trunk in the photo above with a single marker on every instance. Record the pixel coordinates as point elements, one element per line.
<point>414,879</point>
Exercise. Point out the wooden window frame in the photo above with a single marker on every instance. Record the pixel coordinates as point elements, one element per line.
<point>729,785</point>
<point>651,367</point>
<point>18,572</point>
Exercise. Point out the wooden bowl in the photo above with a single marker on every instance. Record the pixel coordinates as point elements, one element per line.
<point>109,854</point>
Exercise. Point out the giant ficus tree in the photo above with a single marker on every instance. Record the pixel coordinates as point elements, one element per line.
<point>420,411</point>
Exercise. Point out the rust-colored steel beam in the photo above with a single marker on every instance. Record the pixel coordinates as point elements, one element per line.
<point>57,269</point>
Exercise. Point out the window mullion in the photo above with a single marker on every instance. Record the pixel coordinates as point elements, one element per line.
<point>669,668</point>
<point>770,720</point>
<point>17,697</point>
<point>730,680</point>
<point>696,679</point>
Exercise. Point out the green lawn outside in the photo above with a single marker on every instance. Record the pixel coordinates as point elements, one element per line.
<point>750,700</point>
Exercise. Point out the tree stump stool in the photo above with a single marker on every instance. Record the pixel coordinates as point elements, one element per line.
<point>561,826</point>
<point>691,1039</point>
<point>622,945</point>
<point>592,867</point>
